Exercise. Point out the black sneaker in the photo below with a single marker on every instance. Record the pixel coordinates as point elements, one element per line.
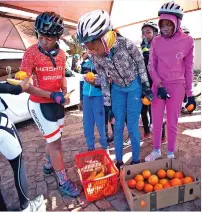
<point>119,164</point>
<point>133,162</point>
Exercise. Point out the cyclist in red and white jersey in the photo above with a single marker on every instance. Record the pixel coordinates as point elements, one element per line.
<point>45,62</point>
<point>11,148</point>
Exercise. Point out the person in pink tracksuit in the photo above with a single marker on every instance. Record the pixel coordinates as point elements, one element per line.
<point>171,69</point>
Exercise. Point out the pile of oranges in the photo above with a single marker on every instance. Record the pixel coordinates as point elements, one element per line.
<point>148,182</point>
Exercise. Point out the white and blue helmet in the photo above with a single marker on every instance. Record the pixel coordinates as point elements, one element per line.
<point>172,8</point>
<point>93,25</point>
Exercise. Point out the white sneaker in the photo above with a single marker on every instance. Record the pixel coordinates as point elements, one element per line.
<point>34,204</point>
<point>127,142</point>
<point>170,155</point>
<point>153,156</point>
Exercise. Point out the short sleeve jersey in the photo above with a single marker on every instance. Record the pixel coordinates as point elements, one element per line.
<point>45,76</point>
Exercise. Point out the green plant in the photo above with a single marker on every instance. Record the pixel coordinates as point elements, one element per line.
<point>75,47</point>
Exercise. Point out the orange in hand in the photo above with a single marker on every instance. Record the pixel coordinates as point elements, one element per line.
<point>190,107</point>
<point>146,101</point>
<point>21,75</point>
<point>90,76</point>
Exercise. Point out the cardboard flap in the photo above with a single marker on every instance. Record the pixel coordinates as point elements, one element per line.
<point>176,165</point>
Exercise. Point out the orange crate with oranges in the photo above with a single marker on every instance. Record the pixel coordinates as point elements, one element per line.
<point>98,174</point>
<point>158,184</point>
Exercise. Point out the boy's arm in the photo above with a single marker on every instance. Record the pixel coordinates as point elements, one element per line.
<point>38,92</point>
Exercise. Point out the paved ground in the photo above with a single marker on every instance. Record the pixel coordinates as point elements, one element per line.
<point>188,152</point>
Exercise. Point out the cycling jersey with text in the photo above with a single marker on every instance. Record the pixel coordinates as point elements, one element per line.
<point>45,76</point>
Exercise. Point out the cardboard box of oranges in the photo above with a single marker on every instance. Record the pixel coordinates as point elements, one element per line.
<point>158,184</point>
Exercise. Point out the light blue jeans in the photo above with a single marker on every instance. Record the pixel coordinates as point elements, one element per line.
<point>94,113</point>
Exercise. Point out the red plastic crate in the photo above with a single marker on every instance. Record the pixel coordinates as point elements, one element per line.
<point>101,187</point>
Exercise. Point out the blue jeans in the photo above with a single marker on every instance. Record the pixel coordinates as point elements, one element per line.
<point>94,113</point>
<point>126,101</point>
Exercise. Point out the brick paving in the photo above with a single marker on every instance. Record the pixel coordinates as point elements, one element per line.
<point>188,151</point>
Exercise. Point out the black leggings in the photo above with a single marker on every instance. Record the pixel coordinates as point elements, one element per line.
<point>9,135</point>
<point>21,183</point>
<point>107,119</point>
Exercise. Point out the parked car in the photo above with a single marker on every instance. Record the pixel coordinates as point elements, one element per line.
<point>18,110</point>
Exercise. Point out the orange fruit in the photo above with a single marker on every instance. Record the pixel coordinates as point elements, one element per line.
<point>142,203</point>
<point>140,185</point>
<point>182,180</point>
<point>166,185</point>
<point>148,188</point>
<point>175,182</point>
<point>139,177</point>
<point>21,75</point>
<point>131,183</point>
<point>188,180</point>
<point>158,187</point>
<point>179,175</point>
<point>170,173</point>
<point>163,181</point>
<point>161,173</point>
<point>146,101</point>
<point>190,107</point>
<point>153,180</point>
<point>146,174</point>
<point>90,76</point>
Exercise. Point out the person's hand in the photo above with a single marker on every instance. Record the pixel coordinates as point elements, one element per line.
<point>25,84</point>
<point>58,97</point>
<point>162,93</point>
<point>92,82</point>
<point>146,91</point>
<point>67,101</point>
<point>81,106</point>
<point>191,101</point>
<point>149,94</point>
